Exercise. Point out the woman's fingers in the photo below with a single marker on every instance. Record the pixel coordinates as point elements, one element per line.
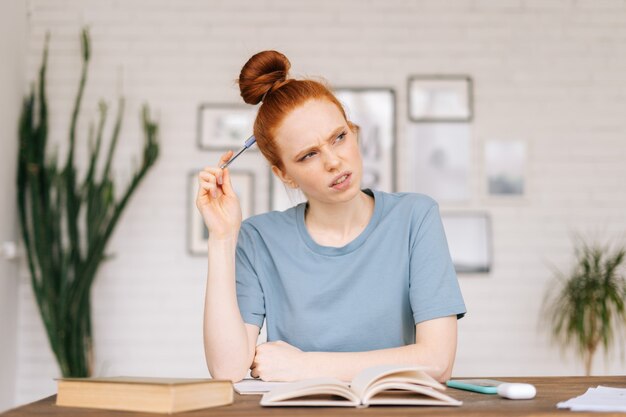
<point>227,186</point>
<point>217,172</point>
<point>208,182</point>
<point>212,179</point>
<point>212,171</point>
<point>225,158</point>
<point>254,372</point>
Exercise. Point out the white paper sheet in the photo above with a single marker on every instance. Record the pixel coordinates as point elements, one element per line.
<point>255,386</point>
<point>598,399</point>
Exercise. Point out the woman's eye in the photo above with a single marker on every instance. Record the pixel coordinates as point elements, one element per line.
<point>341,137</point>
<point>307,156</point>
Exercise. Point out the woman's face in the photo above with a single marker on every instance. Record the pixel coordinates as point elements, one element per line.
<point>319,152</point>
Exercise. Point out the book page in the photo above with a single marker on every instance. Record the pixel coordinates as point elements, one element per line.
<point>398,373</point>
<point>406,394</point>
<point>312,392</point>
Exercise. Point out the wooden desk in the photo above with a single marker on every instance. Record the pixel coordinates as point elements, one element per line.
<point>550,390</point>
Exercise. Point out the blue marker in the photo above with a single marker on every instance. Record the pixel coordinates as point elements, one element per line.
<point>251,140</point>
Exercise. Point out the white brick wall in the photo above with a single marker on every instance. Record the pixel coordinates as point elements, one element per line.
<point>12,36</point>
<point>550,73</point>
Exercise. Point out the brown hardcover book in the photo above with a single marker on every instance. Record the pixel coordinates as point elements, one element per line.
<point>154,395</point>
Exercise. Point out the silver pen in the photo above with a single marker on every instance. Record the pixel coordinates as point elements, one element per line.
<point>249,142</point>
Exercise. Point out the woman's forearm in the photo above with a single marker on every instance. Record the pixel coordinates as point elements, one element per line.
<point>434,347</point>
<point>226,344</point>
<point>345,365</point>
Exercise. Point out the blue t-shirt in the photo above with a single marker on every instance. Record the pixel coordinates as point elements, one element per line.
<point>366,295</point>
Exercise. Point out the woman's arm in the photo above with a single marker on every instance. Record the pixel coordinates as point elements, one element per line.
<point>435,346</point>
<point>228,342</point>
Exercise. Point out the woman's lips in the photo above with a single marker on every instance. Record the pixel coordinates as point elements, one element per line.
<point>342,181</point>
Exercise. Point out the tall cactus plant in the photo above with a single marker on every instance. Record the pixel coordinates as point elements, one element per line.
<point>66,222</point>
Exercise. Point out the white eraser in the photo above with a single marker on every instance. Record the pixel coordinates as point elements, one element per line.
<point>514,391</point>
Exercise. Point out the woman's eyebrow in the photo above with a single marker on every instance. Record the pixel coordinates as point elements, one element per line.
<point>335,133</point>
<point>331,136</point>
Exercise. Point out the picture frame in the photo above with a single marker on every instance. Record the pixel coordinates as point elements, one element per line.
<point>224,126</point>
<point>441,159</point>
<point>440,98</point>
<point>469,237</point>
<point>373,109</point>
<point>197,233</point>
<point>505,168</point>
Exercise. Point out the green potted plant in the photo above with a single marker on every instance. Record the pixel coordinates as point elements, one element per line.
<point>66,218</point>
<point>586,307</point>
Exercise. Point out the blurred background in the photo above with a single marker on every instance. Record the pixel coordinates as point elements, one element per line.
<point>543,83</point>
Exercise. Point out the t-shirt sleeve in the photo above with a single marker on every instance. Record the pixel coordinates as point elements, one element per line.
<point>249,291</point>
<point>433,286</point>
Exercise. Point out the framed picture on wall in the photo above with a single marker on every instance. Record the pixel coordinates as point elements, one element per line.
<point>440,98</point>
<point>373,109</point>
<point>469,241</point>
<point>440,159</point>
<point>198,234</point>
<point>505,166</point>
<point>225,126</point>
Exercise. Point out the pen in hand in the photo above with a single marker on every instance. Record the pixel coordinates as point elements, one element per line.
<point>249,142</point>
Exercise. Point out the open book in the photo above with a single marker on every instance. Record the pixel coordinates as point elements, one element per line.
<point>379,385</point>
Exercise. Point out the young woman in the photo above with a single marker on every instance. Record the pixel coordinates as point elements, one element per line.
<point>353,278</point>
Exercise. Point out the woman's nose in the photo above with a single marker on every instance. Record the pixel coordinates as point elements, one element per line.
<point>331,161</point>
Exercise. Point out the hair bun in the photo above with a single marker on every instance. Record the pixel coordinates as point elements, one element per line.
<point>262,71</point>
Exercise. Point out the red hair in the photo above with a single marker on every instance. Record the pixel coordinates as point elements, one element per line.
<point>264,78</point>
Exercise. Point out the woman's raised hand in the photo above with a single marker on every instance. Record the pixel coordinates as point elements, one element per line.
<point>217,201</point>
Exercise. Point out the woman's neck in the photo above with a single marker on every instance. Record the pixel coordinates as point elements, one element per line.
<point>339,223</point>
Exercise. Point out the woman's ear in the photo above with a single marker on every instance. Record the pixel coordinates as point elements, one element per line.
<point>286,179</point>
